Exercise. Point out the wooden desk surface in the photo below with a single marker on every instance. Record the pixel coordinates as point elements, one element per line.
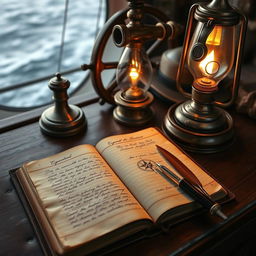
<point>235,168</point>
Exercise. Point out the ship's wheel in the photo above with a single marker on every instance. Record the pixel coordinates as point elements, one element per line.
<point>107,91</point>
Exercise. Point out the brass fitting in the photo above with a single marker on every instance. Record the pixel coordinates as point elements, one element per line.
<point>123,35</point>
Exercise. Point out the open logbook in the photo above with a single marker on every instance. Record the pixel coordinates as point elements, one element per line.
<point>88,197</point>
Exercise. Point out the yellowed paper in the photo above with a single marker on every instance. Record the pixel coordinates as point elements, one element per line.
<point>131,156</point>
<point>82,197</point>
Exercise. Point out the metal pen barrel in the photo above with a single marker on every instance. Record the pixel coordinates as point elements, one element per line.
<point>206,201</point>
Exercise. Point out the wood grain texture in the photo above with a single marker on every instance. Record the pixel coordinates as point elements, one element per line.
<point>235,168</point>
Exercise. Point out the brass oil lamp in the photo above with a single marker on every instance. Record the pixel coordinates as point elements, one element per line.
<point>134,70</point>
<point>134,74</point>
<point>210,52</point>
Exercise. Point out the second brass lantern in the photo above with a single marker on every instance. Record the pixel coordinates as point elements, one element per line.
<point>134,71</point>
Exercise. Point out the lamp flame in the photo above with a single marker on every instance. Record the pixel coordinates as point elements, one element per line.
<point>134,75</point>
<point>208,65</point>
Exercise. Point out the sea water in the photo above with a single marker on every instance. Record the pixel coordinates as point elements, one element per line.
<point>30,33</point>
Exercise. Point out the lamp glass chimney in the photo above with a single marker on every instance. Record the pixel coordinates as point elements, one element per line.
<point>134,72</point>
<point>218,59</point>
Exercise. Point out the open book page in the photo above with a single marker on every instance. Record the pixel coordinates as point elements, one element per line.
<point>82,197</point>
<point>131,157</point>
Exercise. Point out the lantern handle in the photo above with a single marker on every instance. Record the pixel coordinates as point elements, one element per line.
<point>239,56</point>
<point>185,51</point>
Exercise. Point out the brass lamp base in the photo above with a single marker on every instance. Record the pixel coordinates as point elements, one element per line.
<point>133,113</point>
<point>198,129</point>
<point>63,124</point>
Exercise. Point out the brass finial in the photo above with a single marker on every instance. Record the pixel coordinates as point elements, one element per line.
<point>62,119</point>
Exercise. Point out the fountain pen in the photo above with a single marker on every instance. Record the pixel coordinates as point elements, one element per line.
<point>193,191</point>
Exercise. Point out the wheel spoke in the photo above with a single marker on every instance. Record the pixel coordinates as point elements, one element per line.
<point>154,46</point>
<point>112,85</point>
<point>110,65</point>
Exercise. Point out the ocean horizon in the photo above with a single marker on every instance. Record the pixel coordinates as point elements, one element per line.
<point>30,45</point>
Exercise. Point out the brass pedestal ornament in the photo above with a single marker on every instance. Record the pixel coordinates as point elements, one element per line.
<point>199,125</point>
<point>62,119</point>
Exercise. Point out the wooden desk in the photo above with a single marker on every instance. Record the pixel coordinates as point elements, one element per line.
<point>201,235</point>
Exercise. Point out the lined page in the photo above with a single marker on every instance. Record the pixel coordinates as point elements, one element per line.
<point>132,156</point>
<point>82,197</point>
